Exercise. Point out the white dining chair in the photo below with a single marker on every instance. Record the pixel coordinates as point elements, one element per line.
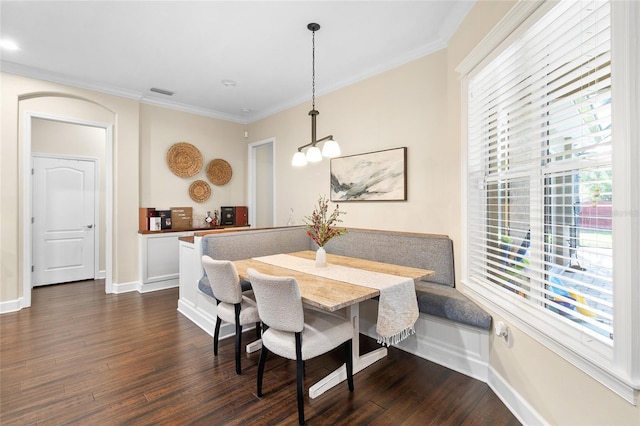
<point>295,333</point>
<point>233,307</point>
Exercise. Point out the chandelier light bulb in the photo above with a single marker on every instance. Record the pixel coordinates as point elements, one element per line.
<point>299,159</point>
<point>314,155</point>
<point>331,149</point>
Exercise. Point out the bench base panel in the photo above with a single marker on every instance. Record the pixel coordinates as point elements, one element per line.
<point>459,347</point>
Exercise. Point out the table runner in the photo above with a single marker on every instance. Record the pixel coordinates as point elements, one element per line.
<point>397,308</point>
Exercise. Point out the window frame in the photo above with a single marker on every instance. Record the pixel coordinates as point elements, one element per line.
<point>615,367</point>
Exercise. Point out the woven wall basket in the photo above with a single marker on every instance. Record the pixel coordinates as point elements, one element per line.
<point>219,171</point>
<point>199,191</point>
<point>184,159</point>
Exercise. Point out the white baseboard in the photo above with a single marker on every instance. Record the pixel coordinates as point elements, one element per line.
<point>118,288</point>
<point>11,306</point>
<point>199,317</point>
<point>158,285</point>
<point>143,288</point>
<point>518,406</point>
<point>204,316</point>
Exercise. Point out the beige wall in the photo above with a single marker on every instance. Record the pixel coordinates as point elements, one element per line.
<point>160,188</point>
<point>401,107</point>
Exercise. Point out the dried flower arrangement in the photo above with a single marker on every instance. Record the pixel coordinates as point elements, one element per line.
<point>320,228</point>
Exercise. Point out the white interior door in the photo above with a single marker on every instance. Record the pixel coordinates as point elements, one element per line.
<point>64,197</point>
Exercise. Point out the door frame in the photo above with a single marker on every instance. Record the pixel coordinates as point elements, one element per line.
<point>27,202</point>
<point>96,203</point>
<point>251,178</point>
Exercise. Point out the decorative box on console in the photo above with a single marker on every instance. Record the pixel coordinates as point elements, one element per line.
<point>181,217</point>
<point>165,218</point>
<point>227,215</point>
<point>237,216</point>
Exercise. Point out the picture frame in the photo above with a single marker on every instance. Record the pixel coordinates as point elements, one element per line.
<point>373,176</point>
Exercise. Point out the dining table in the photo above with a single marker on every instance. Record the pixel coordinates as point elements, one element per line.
<point>319,289</point>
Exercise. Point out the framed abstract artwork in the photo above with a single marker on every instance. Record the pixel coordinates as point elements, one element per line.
<point>374,176</point>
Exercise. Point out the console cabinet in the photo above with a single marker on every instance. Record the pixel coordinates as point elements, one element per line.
<point>159,266</point>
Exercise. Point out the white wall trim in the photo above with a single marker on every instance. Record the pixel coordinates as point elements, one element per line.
<point>27,183</point>
<point>11,306</point>
<point>518,406</point>
<point>519,13</point>
<point>251,178</point>
<point>118,288</point>
<point>204,316</point>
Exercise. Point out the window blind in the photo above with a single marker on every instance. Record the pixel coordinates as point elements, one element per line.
<point>540,169</point>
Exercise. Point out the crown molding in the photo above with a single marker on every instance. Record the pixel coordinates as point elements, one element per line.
<point>177,106</point>
<point>53,77</point>
<point>40,74</point>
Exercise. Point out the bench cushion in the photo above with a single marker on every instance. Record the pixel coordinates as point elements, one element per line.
<point>447,302</point>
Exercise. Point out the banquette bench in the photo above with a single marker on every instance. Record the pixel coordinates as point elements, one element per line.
<point>436,294</point>
<point>445,311</point>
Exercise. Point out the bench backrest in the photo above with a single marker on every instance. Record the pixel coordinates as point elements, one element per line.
<point>427,251</point>
<point>245,244</point>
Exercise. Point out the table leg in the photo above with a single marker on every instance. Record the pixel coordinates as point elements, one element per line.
<point>360,362</point>
<point>254,346</point>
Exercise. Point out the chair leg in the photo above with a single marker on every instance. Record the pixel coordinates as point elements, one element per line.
<point>299,378</point>
<point>238,339</point>
<point>216,335</point>
<point>258,330</point>
<point>238,348</point>
<point>349,353</point>
<point>263,360</point>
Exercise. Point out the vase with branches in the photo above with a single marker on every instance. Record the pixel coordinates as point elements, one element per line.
<point>321,226</point>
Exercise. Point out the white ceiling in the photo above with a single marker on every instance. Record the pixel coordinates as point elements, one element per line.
<point>128,47</point>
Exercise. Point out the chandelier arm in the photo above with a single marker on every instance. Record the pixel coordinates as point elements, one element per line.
<point>326,138</point>
<point>300,148</point>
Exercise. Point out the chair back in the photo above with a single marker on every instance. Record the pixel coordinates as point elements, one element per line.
<point>278,299</point>
<point>223,278</point>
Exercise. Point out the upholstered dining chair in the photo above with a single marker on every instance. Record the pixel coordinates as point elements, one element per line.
<point>234,307</point>
<point>294,333</point>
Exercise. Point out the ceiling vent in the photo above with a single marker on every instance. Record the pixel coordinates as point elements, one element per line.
<point>162,91</point>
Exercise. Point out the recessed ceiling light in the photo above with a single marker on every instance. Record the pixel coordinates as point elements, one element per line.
<point>229,83</point>
<point>9,45</point>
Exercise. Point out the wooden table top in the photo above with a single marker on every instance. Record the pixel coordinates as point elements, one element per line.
<point>325,293</point>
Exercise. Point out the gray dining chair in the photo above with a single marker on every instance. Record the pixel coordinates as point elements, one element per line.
<point>295,333</point>
<point>233,307</point>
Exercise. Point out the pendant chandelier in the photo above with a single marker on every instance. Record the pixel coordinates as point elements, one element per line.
<point>330,148</point>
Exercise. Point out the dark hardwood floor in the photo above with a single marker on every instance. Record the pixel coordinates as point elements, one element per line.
<point>79,356</point>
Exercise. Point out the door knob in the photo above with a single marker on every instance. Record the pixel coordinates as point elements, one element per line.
<point>89,226</point>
